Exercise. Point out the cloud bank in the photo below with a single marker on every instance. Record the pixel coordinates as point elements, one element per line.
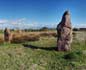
<point>24,23</point>
<point>2,21</point>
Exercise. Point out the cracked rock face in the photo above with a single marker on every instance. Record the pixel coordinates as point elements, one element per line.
<point>64,31</point>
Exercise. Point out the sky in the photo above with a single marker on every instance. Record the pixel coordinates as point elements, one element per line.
<point>40,13</point>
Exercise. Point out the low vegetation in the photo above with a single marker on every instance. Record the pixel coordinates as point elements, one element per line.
<point>41,54</point>
<point>24,38</point>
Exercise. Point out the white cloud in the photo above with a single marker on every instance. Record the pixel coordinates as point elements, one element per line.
<point>26,23</point>
<point>80,25</point>
<point>23,23</point>
<point>18,21</point>
<point>2,21</point>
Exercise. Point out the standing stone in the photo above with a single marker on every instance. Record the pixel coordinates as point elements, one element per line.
<point>64,31</point>
<point>7,35</point>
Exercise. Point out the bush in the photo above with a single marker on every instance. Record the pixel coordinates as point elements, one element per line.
<point>44,29</point>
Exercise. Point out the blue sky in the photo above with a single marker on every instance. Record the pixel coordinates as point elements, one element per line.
<point>39,13</point>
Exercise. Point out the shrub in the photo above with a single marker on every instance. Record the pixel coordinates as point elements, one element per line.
<point>44,29</point>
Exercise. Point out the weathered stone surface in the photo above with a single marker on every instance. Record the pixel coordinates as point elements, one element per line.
<point>7,35</point>
<point>64,30</point>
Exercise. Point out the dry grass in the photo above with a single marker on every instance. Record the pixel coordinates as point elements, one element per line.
<point>20,38</point>
<point>35,36</point>
<point>28,36</point>
<point>54,34</point>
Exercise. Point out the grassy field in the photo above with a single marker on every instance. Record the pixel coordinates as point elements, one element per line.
<point>41,55</point>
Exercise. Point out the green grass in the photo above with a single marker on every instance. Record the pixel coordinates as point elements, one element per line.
<point>42,56</point>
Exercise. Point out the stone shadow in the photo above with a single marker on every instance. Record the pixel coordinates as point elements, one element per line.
<point>42,48</point>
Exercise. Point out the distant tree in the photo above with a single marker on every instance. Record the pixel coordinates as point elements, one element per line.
<point>75,29</point>
<point>12,29</point>
<point>82,29</point>
<point>44,29</point>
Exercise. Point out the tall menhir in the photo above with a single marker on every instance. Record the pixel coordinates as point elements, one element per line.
<point>64,31</point>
